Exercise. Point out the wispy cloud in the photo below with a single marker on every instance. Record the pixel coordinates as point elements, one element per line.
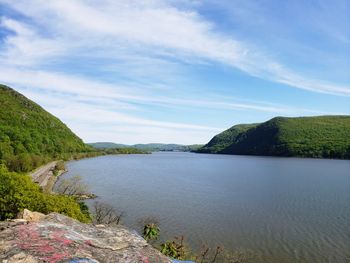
<point>96,108</point>
<point>152,26</point>
<point>95,92</point>
<point>60,52</point>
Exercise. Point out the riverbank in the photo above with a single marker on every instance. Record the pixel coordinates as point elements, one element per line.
<point>46,176</point>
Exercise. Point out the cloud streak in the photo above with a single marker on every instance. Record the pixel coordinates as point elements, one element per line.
<point>103,93</point>
<point>155,26</point>
<point>60,52</point>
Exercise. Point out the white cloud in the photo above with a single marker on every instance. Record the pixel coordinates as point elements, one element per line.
<point>98,111</point>
<point>26,47</point>
<point>148,39</point>
<point>154,27</point>
<point>98,92</point>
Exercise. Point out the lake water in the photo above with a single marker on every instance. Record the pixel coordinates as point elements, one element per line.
<point>282,209</point>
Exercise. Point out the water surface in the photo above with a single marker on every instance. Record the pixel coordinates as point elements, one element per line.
<point>283,209</point>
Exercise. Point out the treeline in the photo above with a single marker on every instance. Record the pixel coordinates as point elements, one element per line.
<point>126,150</point>
<point>26,162</point>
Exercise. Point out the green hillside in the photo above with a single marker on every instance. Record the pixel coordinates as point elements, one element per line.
<point>319,137</point>
<point>225,138</point>
<point>29,135</point>
<point>107,145</point>
<point>150,147</point>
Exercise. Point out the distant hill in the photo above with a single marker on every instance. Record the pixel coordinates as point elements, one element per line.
<point>107,145</point>
<point>318,137</point>
<point>152,147</point>
<point>29,135</point>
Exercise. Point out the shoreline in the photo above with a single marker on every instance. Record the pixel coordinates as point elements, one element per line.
<point>44,176</point>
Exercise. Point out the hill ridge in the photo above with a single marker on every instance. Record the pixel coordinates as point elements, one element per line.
<point>326,136</point>
<point>29,135</point>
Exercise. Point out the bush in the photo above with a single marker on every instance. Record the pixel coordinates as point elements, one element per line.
<point>175,249</point>
<point>72,186</point>
<point>105,214</point>
<point>60,165</point>
<point>151,231</point>
<point>18,192</point>
<point>24,162</point>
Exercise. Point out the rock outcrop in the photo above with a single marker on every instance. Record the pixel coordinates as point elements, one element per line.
<point>57,238</point>
<point>30,216</point>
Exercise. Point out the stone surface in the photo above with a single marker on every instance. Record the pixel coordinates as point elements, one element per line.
<point>30,216</point>
<point>57,238</point>
<point>21,258</point>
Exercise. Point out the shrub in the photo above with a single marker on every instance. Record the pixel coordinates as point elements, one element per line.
<point>151,231</point>
<point>105,214</point>
<point>72,186</point>
<point>175,249</point>
<point>18,192</point>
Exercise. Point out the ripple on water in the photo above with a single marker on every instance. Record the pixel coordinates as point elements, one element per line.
<point>284,209</point>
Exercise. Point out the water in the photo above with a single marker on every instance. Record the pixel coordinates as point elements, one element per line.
<point>282,209</point>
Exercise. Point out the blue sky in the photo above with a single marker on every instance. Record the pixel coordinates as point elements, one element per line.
<point>176,71</point>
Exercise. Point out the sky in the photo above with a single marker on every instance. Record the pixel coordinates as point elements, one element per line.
<point>176,71</point>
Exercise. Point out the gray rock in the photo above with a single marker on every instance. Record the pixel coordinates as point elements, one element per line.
<point>30,216</point>
<point>57,238</point>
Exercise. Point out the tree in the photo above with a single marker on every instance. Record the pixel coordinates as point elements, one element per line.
<point>105,214</point>
<point>72,186</point>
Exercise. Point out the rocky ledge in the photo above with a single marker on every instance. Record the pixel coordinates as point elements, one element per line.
<point>57,238</point>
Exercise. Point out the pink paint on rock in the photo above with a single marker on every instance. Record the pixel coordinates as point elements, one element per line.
<point>44,242</point>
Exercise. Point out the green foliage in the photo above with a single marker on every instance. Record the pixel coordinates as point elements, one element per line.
<point>60,166</point>
<point>125,150</point>
<point>177,248</point>
<point>317,137</point>
<point>151,231</point>
<point>25,162</point>
<point>225,139</point>
<point>85,210</point>
<point>30,136</point>
<point>174,248</point>
<point>144,148</point>
<point>17,191</point>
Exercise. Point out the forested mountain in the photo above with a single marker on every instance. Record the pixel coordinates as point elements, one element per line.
<point>108,145</point>
<point>224,139</point>
<point>29,135</point>
<point>151,147</point>
<point>319,137</point>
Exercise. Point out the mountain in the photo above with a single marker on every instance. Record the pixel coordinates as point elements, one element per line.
<point>108,145</point>
<point>29,135</point>
<point>152,147</point>
<point>318,137</point>
<point>225,138</point>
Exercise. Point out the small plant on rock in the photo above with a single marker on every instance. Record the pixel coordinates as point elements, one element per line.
<point>174,249</point>
<point>151,231</point>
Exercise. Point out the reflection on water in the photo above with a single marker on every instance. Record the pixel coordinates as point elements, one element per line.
<point>284,209</point>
